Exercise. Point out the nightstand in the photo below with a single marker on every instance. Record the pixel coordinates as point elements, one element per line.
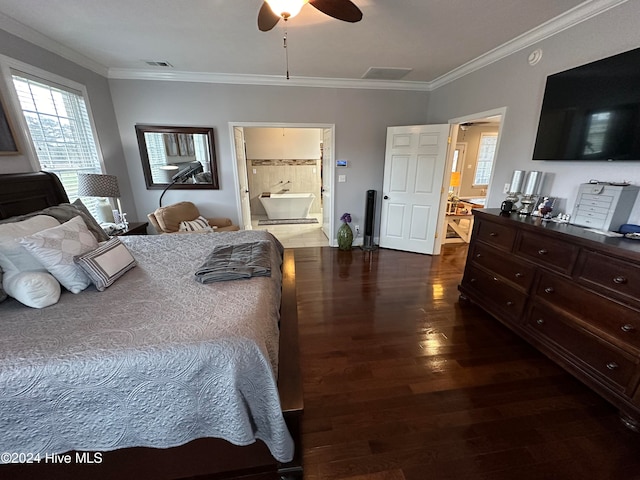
<point>135,228</point>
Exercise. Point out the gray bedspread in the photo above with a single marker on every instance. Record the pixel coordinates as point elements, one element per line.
<point>234,262</point>
<point>155,360</point>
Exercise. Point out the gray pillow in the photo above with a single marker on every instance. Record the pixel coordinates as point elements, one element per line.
<point>3,294</point>
<point>65,212</point>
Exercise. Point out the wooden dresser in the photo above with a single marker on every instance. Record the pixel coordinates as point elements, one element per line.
<point>573,294</point>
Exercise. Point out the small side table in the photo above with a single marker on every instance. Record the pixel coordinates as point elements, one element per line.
<point>135,228</point>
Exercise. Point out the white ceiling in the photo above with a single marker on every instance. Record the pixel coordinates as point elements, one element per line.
<point>211,37</point>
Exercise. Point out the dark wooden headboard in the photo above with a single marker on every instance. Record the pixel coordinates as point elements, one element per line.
<point>22,193</point>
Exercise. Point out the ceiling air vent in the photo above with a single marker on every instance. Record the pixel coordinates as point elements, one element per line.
<point>152,63</point>
<point>379,73</point>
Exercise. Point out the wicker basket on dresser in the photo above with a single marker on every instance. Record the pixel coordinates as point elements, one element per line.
<point>572,293</point>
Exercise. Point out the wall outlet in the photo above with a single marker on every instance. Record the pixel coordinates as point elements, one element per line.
<point>506,188</point>
<point>357,227</point>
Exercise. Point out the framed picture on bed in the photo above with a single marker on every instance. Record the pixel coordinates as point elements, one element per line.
<point>8,144</point>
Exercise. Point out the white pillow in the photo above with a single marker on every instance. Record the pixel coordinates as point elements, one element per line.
<point>200,224</point>
<point>13,257</point>
<point>33,289</point>
<point>56,247</point>
<point>107,263</point>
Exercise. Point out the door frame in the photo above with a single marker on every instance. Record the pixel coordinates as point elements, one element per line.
<point>502,111</point>
<point>236,178</point>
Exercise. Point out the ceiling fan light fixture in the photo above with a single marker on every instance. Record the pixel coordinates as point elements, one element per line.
<point>286,8</point>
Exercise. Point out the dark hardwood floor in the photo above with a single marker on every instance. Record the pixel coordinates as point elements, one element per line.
<point>401,382</point>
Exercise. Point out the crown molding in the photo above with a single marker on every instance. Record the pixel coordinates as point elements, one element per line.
<point>576,15</point>
<point>271,80</point>
<point>24,32</point>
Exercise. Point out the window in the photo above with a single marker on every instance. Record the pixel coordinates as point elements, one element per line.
<point>60,129</point>
<point>486,153</point>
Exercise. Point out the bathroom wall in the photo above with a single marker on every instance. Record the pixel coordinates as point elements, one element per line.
<point>283,159</point>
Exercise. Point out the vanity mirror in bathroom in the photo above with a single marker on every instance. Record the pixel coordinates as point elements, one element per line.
<point>183,157</point>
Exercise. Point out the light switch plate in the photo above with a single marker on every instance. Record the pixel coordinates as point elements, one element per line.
<point>342,178</point>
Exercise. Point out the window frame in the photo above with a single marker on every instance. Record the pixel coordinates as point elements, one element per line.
<point>9,67</point>
<point>495,150</point>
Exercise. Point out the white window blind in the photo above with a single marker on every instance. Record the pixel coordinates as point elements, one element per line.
<point>486,152</point>
<point>60,130</point>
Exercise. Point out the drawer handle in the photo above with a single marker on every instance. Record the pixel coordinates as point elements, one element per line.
<point>473,280</point>
<point>493,234</point>
<point>549,290</point>
<point>627,328</point>
<point>509,304</point>
<point>478,255</point>
<point>495,279</point>
<point>612,365</point>
<point>540,321</point>
<point>543,251</point>
<point>620,280</point>
<point>519,275</point>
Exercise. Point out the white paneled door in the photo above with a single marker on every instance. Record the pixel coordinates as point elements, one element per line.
<point>327,187</point>
<point>243,183</point>
<point>412,190</point>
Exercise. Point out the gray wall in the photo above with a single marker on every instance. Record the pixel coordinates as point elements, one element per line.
<point>99,100</point>
<point>513,83</point>
<point>360,116</point>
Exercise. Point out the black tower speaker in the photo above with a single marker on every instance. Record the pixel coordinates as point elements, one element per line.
<point>369,216</point>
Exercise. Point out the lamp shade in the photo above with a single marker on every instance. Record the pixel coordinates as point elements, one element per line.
<point>98,185</point>
<point>516,181</point>
<point>532,183</point>
<point>455,179</point>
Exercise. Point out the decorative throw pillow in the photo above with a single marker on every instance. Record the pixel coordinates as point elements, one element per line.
<point>56,247</point>
<point>200,224</point>
<point>13,257</point>
<point>33,289</point>
<point>107,263</point>
<point>92,223</point>
<point>65,212</point>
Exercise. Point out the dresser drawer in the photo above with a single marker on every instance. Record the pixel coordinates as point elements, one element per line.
<point>518,272</point>
<point>601,358</point>
<point>550,252</point>
<point>589,221</point>
<point>493,291</point>
<point>599,211</point>
<point>612,274</point>
<point>595,200</point>
<point>500,236</point>
<point>600,313</point>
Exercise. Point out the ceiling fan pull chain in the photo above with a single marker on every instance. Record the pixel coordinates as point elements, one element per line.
<point>286,52</point>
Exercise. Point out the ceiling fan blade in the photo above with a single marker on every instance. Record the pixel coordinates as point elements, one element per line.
<point>344,10</point>
<point>266,18</point>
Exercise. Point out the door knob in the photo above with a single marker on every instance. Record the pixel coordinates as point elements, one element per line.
<point>386,197</point>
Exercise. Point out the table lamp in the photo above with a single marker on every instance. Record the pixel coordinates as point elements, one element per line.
<point>515,187</point>
<point>103,187</point>
<point>529,192</point>
<point>454,182</point>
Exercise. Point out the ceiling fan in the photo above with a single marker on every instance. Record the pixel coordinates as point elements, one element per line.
<point>465,125</point>
<point>273,10</point>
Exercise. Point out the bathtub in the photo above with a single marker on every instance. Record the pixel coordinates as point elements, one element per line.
<point>287,205</point>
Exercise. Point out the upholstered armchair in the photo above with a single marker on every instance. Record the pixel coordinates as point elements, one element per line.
<point>167,219</point>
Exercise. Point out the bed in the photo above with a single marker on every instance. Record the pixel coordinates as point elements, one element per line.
<point>157,376</point>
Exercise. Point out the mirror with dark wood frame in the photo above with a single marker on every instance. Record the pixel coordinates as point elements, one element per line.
<point>183,157</point>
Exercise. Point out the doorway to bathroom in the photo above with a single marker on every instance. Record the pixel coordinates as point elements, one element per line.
<point>284,177</point>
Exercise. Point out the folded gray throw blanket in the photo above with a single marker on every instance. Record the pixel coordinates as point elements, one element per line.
<point>233,262</point>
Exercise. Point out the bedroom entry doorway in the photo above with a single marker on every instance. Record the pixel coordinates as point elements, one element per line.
<point>290,160</point>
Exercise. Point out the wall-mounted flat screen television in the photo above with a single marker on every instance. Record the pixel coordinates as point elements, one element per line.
<point>592,112</point>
